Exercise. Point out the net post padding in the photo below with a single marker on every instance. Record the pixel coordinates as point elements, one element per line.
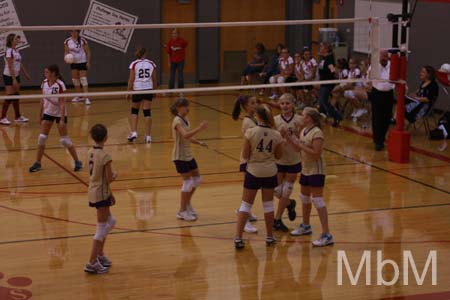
<point>375,48</point>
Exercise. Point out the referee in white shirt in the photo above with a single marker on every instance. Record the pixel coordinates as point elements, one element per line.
<point>382,98</point>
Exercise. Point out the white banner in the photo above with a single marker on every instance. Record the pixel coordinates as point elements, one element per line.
<point>102,14</point>
<point>8,17</point>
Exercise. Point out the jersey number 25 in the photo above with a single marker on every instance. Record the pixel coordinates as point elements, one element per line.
<point>144,73</point>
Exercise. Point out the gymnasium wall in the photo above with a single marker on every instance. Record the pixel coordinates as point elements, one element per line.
<point>108,65</point>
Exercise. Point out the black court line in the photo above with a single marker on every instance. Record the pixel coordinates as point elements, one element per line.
<point>354,159</point>
<point>158,229</point>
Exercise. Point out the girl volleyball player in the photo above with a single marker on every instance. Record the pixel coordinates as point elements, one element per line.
<point>248,104</point>
<point>289,164</point>
<point>261,147</point>
<point>79,48</point>
<point>100,197</point>
<point>11,78</point>
<point>312,178</point>
<point>53,109</point>
<point>142,77</point>
<point>182,156</point>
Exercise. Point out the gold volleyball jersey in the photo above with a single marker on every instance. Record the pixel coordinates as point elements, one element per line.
<point>181,147</point>
<point>247,123</point>
<point>290,155</point>
<point>263,141</point>
<point>311,165</point>
<point>98,187</point>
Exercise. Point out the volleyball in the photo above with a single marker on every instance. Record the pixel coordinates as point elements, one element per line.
<point>68,58</point>
<point>445,68</point>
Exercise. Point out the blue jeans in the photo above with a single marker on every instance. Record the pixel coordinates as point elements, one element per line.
<point>173,68</point>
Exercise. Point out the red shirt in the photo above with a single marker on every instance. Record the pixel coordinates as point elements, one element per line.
<point>175,49</point>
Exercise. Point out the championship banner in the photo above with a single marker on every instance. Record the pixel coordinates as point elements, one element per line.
<point>102,14</point>
<point>9,17</point>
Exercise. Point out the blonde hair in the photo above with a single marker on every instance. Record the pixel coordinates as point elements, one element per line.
<point>315,116</point>
<point>288,96</point>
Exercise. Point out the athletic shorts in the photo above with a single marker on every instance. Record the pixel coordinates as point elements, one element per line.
<point>255,183</point>
<point>292,169</point>
<point>140,97</point>
<point>183,166</point>
<point>52,118</point>
<point>8,80</point>
<point>243,167</point>
<point>103,203</point>
<point>313,180</point>
<point>79,67</point>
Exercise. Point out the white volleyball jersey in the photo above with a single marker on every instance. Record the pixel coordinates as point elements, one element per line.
<point>51,104</point>
<point>143,71</point>
<point>17,61</point>
<point>284,64</point>
<point>307,68</point>
<point>77,49</point>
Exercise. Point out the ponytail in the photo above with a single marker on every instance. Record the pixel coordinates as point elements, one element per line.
<point>140,52</point>
<point>178,103</point>
<point>264,114</point>
<point>240,103</point>
<point>316,117</point>
<point>55,70</point>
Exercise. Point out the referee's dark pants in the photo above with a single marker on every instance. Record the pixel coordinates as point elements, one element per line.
<point>382,104</point>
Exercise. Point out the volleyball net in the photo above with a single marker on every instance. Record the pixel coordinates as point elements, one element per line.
<point>363,31</point>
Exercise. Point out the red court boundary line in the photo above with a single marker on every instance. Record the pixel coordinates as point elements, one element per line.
<point>413,148</point>
<point>67,170</point>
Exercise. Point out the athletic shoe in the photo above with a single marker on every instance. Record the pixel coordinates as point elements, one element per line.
<point>87,101</point>
<point>360,112</point>
<point>148,139</point>
<point>249,228</point>
<point>324,240</point>
<point>132,136</point>
<point>292,214</point>
<point>252,217</point>
<point>239,243</point>
<point>78,165</point>
<point>273,97</point>
<point>104,261</point>
<point>278,225</point>
<point>22,119</point>
<point>185,215</point>
<point>270,241</point>
<point>96,268</point>
<point>191,210</point>
<point>302,229</point>
<point>35,167</point>
<point>76,99</point>
<point>5,121</point>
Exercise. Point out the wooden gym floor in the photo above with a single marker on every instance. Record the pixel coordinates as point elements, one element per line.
<point>47,227</point>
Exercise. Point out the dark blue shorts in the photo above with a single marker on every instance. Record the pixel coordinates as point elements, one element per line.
<point>79,67</point>
<point>297,168</point>
<point>140,97</point>
<point>8,80</point>
<point>185,166</point>
<point>103,203</point>
<point>243,167</point>
<point>53,118</point>
<point>313,180</point>
<point>255,183</point>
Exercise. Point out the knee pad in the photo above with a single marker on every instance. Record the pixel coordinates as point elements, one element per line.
<point>287,189</point>
<point>83,81</point>
<point>76,82</point>
<point>110,223</point>
<point>245,207</point>
<point>349,94</point>
<point>280,79</point>
<point>147,112</point>
<point>65,141</point>
<point>196,181</point>
<point>318,202</point>
<point>278,191</point>
<point>42,139</point>
<point>134,111</point>
<point>101,232</point>
<point>268,206</point>
<point>272,79</point>
<point>305,199</point>
<point>187,186</point>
